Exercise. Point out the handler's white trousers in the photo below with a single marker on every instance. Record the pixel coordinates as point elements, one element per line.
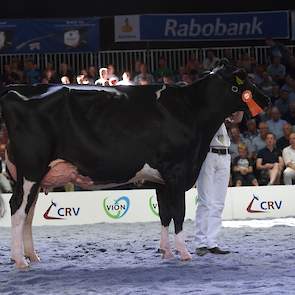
<point>212,186</point>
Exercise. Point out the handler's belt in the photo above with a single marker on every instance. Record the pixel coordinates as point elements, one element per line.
<point>219,151</point>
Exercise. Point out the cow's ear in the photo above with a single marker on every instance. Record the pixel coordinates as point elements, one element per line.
<point>240,76</point>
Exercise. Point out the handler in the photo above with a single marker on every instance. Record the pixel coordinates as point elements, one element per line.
<point>212,186</point>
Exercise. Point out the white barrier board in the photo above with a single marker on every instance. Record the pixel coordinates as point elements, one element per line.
<point>141,206</point>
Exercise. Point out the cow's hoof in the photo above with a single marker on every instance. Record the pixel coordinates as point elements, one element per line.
<point>21,264</point>
<point>185,256</point>
<point>166,254</point>
<point>34,258</point>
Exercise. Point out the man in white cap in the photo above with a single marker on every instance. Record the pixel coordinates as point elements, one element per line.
<point>212,186</point>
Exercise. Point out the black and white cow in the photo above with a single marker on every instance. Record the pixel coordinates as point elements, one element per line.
<point>104,137</point>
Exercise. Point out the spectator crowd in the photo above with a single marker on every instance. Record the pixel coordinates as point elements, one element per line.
<point>262,148</point>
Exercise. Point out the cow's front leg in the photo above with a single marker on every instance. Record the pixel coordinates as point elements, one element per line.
<point>18,205</point>
<point>30,252</point>
<point>178,214</point>
<point>165,216</point>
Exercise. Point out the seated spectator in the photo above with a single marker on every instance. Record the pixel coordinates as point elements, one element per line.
<point>259,141</point>
<point>283,102</point>
<point>275,93</point>
<point>243,168</point>
<point>276,70</point>
<point>258,74</point>
<point>267,83</point>
<point>162,70</point>
<point>50,76</point>
<point>126,79</point>
<point>65,80</point>
<point>269,162</point>
<point>168,80</point>
<point>111,72</point>
<point>210,61</point>
<point>113,81</point>
<point>143,81</point>
<point>289,86</point>
<point>92,74</point>
<point>275,124</point>
<point>185,79</point>
<point>136,70</point>
<point>193,66</point>
<point>64,70</point>
<point>247,62</point>
<point>283,141</point>
<point>251,131</point>
<point>103,77</point>
<point>289,160</point>
<point>82,80</point>
<point>31,72</point>
<point>144,74</point>
<point>236,139</point>
<point>290,115</point>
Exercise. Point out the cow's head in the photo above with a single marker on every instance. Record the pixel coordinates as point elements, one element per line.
<point>246,95</point>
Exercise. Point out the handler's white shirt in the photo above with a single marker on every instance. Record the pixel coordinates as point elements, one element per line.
<point>221,138</point>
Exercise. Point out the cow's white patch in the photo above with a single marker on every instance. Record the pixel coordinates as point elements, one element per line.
<point>28,236</point>
<point>164,243</point>
<point>147,173</point>
<point>17,228</point>
<point>158,93</point>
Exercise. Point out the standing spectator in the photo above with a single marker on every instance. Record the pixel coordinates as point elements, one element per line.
<point>243,168</point>
<point>162,70</point>
<point>126,79</point>
<point>259,141</point>
<point>236,139</point>
<point>210,61</point>
<point>144,74</point>
<point>275,124</point>
<point>278,50</point>
<point>277,71</point>
<point>289,160</point>
<point>103,77</point>
<point>283,141</point>
<point>290,115</point>
<point>269,161</point>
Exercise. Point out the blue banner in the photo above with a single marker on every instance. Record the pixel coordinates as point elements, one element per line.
<point>56,35</point>
<point>224,26</point>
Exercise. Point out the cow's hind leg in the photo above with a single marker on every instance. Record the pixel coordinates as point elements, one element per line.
<point>178,214</point>
<point>19,203</point>
<point>165,216</point>
<point>30,252</point>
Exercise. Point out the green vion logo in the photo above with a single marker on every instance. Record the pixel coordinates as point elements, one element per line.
<point>116,208</point>
<point>153,204</point>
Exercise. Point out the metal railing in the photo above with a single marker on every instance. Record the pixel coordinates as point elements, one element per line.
<point>125,59</point>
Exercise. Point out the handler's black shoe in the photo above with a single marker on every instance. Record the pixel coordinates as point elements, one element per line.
<point>202,251</point>
<point>217,250</point>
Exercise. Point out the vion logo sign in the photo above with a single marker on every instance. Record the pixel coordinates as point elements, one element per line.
<point>258,206</point>
<point>117,208</point>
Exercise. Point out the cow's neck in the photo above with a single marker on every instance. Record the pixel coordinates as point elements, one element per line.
<point>213,100</point>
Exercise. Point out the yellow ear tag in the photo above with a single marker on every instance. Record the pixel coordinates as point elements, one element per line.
<point>239,81</point>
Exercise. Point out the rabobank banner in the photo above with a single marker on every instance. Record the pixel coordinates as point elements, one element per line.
<point>50,35</point>
<point>192,27</point>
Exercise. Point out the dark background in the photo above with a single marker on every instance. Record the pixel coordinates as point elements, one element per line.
<point>107,9</point>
